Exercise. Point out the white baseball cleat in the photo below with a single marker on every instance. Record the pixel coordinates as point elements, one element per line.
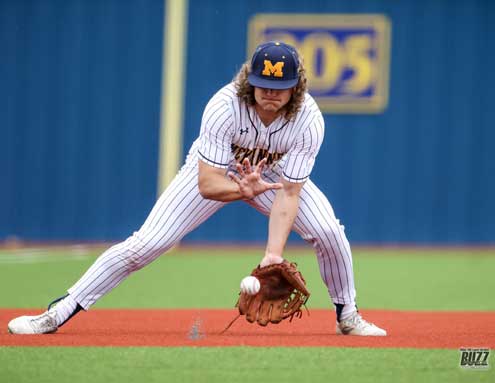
<point>356,325</point>
<point>45,323</point>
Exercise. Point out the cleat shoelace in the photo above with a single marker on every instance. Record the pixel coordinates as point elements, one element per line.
<point>43,321</point>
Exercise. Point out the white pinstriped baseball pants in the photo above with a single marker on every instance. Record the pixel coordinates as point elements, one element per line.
<point>180,209</point>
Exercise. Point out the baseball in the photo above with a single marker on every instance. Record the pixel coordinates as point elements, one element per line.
<point>250,285</point>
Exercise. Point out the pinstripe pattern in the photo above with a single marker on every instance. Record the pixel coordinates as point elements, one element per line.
<point>179,210</point>
<point>231,128</point>
<point>227,123</point>
<point>316,223</point>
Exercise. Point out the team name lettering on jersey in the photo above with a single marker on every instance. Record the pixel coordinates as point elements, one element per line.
<point>255,155</point>
<point>276,69</point>
<point>231,131</point>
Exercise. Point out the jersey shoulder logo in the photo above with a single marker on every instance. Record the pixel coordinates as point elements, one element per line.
<point>270,69</point>
<point>242,131</point>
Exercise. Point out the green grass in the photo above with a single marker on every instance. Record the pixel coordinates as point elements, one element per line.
<point>239,364</point>
<point>422,280</point>
<point>409,280</point>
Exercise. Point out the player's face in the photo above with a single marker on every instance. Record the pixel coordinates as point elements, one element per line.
<point>272,100</point>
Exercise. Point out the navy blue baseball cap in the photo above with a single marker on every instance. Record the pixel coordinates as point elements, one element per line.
<point>274,65</point>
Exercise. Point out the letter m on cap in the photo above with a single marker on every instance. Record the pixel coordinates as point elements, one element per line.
<point>276,69</point>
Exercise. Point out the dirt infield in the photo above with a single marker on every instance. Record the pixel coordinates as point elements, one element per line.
<point>202,328</point>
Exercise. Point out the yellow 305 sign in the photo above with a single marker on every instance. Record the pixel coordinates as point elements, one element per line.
<point>346,56</point>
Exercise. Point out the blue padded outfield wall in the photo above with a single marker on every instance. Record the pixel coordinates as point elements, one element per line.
<point>80,116</point>
<point>79,110</point>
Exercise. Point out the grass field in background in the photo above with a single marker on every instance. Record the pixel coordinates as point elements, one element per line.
<point>189,278</point>
<point>409,280</point>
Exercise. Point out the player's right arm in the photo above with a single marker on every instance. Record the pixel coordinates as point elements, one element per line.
<point>214,152</point>
<point>214,185</point>
<point>215,155</point>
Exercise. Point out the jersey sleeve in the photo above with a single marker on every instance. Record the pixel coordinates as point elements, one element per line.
<point>301,157</point>
<point>216,134</point>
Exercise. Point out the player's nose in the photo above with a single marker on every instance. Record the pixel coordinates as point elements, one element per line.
<point>271,91</point>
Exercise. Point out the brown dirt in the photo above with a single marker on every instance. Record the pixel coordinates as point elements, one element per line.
<point>198,327</point>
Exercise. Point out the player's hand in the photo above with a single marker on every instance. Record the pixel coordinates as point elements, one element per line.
<point>250,182</point>
<point>271,259</point>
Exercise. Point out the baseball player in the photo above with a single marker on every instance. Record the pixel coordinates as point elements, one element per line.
<point>258,142</point>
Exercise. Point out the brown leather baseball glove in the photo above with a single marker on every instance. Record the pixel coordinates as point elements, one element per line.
<point>282,294</point>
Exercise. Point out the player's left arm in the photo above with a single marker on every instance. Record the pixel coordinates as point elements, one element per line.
<point>298,166</point>
<point>284,210</point>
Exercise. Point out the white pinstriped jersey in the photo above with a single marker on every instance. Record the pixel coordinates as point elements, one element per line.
<point>232,131</point>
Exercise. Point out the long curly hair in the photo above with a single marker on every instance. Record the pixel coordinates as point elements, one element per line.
<point>245,91</point>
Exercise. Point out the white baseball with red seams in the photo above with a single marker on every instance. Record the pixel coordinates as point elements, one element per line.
<point>250,285</point>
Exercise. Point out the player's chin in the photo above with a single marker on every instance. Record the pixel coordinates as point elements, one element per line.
<point>271,107</point>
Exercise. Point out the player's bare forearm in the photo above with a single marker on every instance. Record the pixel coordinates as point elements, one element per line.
<point>282,216</point>
<point>246,185</point>
<point>214,185</point>
<point>221,189</point>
